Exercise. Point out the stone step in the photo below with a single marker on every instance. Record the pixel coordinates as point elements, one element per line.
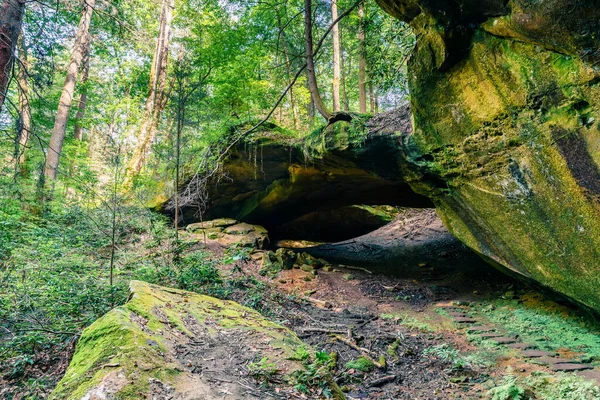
<point>491,335</point>
<point>464,320</point>
<point>570,367</point>
<point>537,353</point>
<point>459,314</point>
<point>504,340</point>
<point>481,328</point>
<point>522,346</point>
<point>593,375</point>
<point>557,360</point>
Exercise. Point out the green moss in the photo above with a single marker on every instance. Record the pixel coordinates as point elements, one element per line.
<point>485,146</point>
<point>362,364</point>
<point>135,340</point>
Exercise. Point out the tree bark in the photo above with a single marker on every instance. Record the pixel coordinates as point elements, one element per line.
<point>156,100</point>
<point>288,69</point>
<point>362,60</point>
<point>78,133</point>
<point>66,98</point>
<point>11,19</point>
<point>336,58</point>
<point>372,101</point>
<point>345,101</point>
<point>24,106</point>
<point>310,64</point>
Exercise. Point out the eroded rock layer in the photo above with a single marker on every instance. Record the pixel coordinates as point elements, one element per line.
<point>271,179</point>
<point>506,141</point>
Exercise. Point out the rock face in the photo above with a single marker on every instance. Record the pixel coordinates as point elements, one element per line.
<point>171,344</point>
<point>506,141</point>
<point>415,239</point>
<point>337,224</point>
<point>271,178</point>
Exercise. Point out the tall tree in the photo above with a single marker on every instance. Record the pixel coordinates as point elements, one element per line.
<point>310,63</point>
<point>288,70</point>
<point>336,57</point>
<point>24,105</point>
<point>11,18</point>
<point>362,60</point>
<point>156,101</point>
<point>66,98</point>
<point>85,74</point>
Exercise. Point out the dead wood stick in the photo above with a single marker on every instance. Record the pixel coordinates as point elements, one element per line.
<point>321,330</point>
<point>317,302</point>
<point>357,268</point>
<point>365,352</point>
<point>382,381</point>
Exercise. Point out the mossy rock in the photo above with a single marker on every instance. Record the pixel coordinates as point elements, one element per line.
<point>163,343</point>
<point>505,135</point>
<point>216,223</point>
<point>229,232</point>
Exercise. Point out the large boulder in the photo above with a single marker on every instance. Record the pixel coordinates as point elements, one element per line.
<point>171,344</point>
<point>229,232</point>
<point>506,141</point>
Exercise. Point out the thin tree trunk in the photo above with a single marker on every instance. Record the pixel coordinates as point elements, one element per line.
<point>372,98</point>
<point>78,133</point>
<point>345,101</point>
<point>336,58</point>
<point>156,94</point>
<point>11,18</point>
<point>288,69</point>
<point>362,61</point>
<point>24,107</point>
<point>310,64</point>
<point>66,98</point>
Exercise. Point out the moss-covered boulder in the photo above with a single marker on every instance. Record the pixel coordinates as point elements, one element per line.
<point>167,343</point>
<point>506,141</point>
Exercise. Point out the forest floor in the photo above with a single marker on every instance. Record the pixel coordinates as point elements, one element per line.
<point>426,333</point>
<point>440,334</point>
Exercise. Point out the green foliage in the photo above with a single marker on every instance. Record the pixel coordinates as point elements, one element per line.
<point>509,390</point>
<point>316,375</point>
<point>409,322</point>
<point>362,364</point>
<point>562,386</point>
<point>540,385</point>
<point>448,354</point>
<point>302,354</point>
<point>546,325</point>
<point>263,369</point>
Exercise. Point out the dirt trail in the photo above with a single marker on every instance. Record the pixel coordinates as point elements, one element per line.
<point>421,323</point>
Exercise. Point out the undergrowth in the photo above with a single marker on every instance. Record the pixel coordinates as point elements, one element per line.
<point>55,281</point>
<point>546,324</point>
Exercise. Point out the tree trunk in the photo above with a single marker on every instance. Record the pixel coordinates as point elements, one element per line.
<point>372,98</point>
<point>362,60</point>
<point>78,134</point>
<point>155,102</point>
<point>66,98</point>
<point>24,106</point>
<point>310,64</point>
<point>345,101</point>
<point>11,18</point>
<point>336,58</point>
<point>288,68</point>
